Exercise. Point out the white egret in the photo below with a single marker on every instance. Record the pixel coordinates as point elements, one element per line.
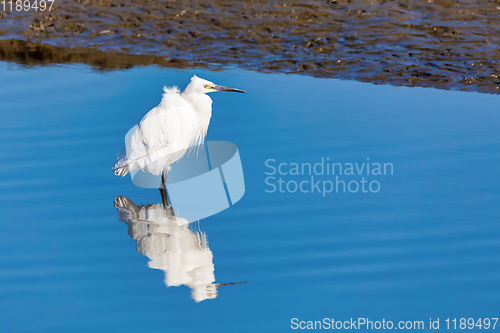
<point>166,132</point>
<point>172,246</point>
<point>183,254</point>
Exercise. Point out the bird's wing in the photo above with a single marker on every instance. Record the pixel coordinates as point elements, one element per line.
<point>159,128</point>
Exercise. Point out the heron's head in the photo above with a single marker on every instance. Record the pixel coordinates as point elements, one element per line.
<point>203,86</point>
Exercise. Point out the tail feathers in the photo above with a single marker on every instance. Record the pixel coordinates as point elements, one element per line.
<point>121,171</point>
<point>122,167</point>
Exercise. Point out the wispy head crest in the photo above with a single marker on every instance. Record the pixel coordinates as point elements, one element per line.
<point>171,90</point>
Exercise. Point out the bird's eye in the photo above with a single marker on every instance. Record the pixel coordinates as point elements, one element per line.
<point>207,86</point>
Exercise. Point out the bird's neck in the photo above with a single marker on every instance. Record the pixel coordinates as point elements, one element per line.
<point>202,104</point>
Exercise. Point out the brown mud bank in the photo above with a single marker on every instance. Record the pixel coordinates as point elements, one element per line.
<point>442,44</point>
<point>28,53</point>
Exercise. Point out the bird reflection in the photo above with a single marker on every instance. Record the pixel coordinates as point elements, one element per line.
<point>183,254</point>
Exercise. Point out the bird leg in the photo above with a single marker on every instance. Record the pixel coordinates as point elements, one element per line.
<point>163,190</point>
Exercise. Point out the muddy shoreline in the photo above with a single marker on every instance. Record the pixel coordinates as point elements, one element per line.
<point>442,44</point>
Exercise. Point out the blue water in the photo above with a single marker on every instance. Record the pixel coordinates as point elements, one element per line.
<point>426,245</point>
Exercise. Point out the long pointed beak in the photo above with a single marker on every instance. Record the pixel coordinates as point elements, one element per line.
<point>222,88</point>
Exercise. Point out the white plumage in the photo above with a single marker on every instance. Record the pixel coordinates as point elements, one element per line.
<point>169,243</point>
<point>166,132</point>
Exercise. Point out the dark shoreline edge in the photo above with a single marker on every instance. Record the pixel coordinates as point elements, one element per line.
<point>40,54</point>
<point>37,54</point>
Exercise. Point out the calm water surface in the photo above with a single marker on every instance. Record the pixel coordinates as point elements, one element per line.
<point>425,245</point>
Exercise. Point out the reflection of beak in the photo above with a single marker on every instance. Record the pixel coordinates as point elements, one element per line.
<point>229,284</point>
<point>222,88</point>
